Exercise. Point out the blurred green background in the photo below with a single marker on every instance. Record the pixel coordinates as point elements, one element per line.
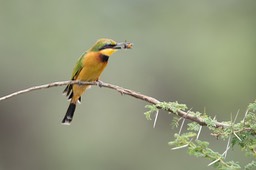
<point>201,53</point>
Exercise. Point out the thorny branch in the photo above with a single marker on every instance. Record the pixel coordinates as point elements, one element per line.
<point>122,90</point>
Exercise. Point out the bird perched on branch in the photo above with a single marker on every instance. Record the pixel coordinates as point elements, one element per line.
<point>89,68</point>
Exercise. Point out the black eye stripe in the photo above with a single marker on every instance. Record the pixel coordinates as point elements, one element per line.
<point>107,46</point>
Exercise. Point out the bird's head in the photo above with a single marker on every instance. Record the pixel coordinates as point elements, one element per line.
<point>108,47</point>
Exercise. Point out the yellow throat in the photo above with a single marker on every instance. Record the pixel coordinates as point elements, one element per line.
<point>108,51</point>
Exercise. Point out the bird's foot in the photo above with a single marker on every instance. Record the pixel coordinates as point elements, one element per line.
<point>80,83</point>
<point>99,83</point>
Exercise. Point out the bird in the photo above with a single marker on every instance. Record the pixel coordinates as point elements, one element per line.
<point>89,68</point>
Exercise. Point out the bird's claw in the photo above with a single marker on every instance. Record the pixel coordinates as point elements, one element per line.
<point>99,83</point>
<point>80,83</point>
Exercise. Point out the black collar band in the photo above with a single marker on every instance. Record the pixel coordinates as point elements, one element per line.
<point>104,58</point>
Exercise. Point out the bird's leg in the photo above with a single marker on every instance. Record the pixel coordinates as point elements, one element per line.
<point>99,83</point>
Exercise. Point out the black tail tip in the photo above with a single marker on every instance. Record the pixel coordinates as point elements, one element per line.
<point>66,120</point>
<point>69,114</point>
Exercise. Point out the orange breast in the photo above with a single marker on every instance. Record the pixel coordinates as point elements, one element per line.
<point>93,67</point>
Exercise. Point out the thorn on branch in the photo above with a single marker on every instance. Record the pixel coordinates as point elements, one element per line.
<point>199,131</point>
<point>156,116</point>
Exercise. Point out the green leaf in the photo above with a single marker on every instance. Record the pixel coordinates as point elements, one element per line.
<point>152,108</point>
<point>252,106</point>
<point>175,122</point>
<point>173,106</point>
<point>193,126</point>
<point>250,166</point>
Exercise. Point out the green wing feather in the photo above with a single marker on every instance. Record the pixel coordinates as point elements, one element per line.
<point>78,67</point>
<point>76,71</point>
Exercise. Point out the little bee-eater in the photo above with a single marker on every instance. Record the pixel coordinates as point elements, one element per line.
<point>89,68</point>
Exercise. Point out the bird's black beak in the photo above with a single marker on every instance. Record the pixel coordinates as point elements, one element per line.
<point>123,45</point>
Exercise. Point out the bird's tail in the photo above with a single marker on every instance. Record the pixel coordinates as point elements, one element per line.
<point>69,114</point>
